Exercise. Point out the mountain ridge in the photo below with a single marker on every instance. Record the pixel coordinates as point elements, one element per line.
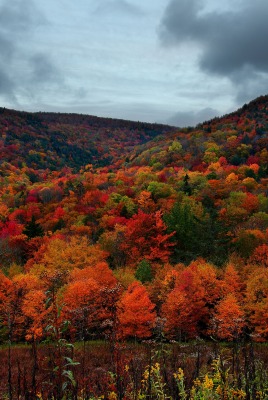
<point>55,140</point>
<point>69,139</point>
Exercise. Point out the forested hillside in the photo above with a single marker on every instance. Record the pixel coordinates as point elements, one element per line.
<point>128,227</point>
<point>47,140</point>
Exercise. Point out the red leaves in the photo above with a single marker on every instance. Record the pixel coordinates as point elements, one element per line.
<point>260,256</point>
<point>146,238</point>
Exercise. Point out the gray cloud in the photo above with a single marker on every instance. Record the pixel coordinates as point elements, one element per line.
<point>233,42</point>
<point>18,16</point>
<point>6,48</point>
<point>7,87</point>
<point>43,70</point>
<point>21,67</point>
<point>110,7</point>
<point>183,119</point>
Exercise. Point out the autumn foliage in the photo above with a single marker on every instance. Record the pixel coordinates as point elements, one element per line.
<point>113,225</point>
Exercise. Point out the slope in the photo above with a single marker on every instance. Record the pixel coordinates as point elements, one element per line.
<point>49,140</point>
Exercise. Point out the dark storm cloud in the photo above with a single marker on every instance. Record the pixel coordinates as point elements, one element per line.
<point>20,68</point>
<point>183,119</point>
<point>233,43</point>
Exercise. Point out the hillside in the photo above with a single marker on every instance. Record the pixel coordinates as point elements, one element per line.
<point>49,140</point>
<point>171,221</point>
<point>237,136</point>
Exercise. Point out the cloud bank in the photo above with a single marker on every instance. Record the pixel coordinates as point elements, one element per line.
<point>22,69</point>
<point>191,118</point>
<point>123,7</point>
<point>232,43</point>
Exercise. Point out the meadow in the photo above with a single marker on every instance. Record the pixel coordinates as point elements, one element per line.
<point>148,370</point>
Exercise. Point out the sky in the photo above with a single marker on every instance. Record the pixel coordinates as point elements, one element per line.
<point>170,61</point>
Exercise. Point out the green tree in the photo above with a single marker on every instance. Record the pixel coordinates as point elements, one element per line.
<point>195,236</point>
<point>144,272</point>
<point>186,186</point>
<point>33,229</point>
<point>182,221</point>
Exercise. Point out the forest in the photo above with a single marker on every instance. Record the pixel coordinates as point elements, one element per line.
<point>140,242</point>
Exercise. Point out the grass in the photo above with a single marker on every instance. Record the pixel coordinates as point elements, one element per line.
<point>102,370</point>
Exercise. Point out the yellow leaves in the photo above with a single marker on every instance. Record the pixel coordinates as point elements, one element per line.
<point>175,147</point>
<point>126,276</point>
<point>249,183</point>
<point>64,255</point>
<point>232,177</point>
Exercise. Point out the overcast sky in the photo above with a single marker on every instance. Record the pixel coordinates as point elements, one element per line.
<point>169,61</point>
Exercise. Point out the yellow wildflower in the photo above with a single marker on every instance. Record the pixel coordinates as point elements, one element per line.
<point>239,394</point>
<point>208,383</point>
<point>146,374</point>
<point>219,390</point>
<point>156,367</point>
<point>180,374</point>
<point>197,382</point>
<point>112,396</point>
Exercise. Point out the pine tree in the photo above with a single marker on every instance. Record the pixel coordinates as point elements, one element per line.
<point>33,229</point>
<point>186,186</point>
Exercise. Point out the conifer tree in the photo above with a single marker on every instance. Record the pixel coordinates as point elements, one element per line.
<point>33,229</point>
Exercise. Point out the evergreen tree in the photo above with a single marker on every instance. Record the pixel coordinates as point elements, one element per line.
<point>186,186</point>
<point>144,272</point>
<point>33,229</point>
<point>195,237</point>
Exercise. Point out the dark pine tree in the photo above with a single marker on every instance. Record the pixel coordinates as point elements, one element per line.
<point>33,229</point>
<point>186,186</point>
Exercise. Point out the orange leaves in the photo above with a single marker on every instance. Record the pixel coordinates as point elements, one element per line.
<point>145,201</point>
<point>80,303</point>
<point>181,315</point>
<point>260,256</point>
<point>82,300</point>
<point>136,312</point>
<point>232,282</point>
<point>6,289</point>
<point>257,303</point>
<point>100,272</point>
<point>189,304</point>
<point>229,318</point>
<point>34,309</point>
<point>250,203</point>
